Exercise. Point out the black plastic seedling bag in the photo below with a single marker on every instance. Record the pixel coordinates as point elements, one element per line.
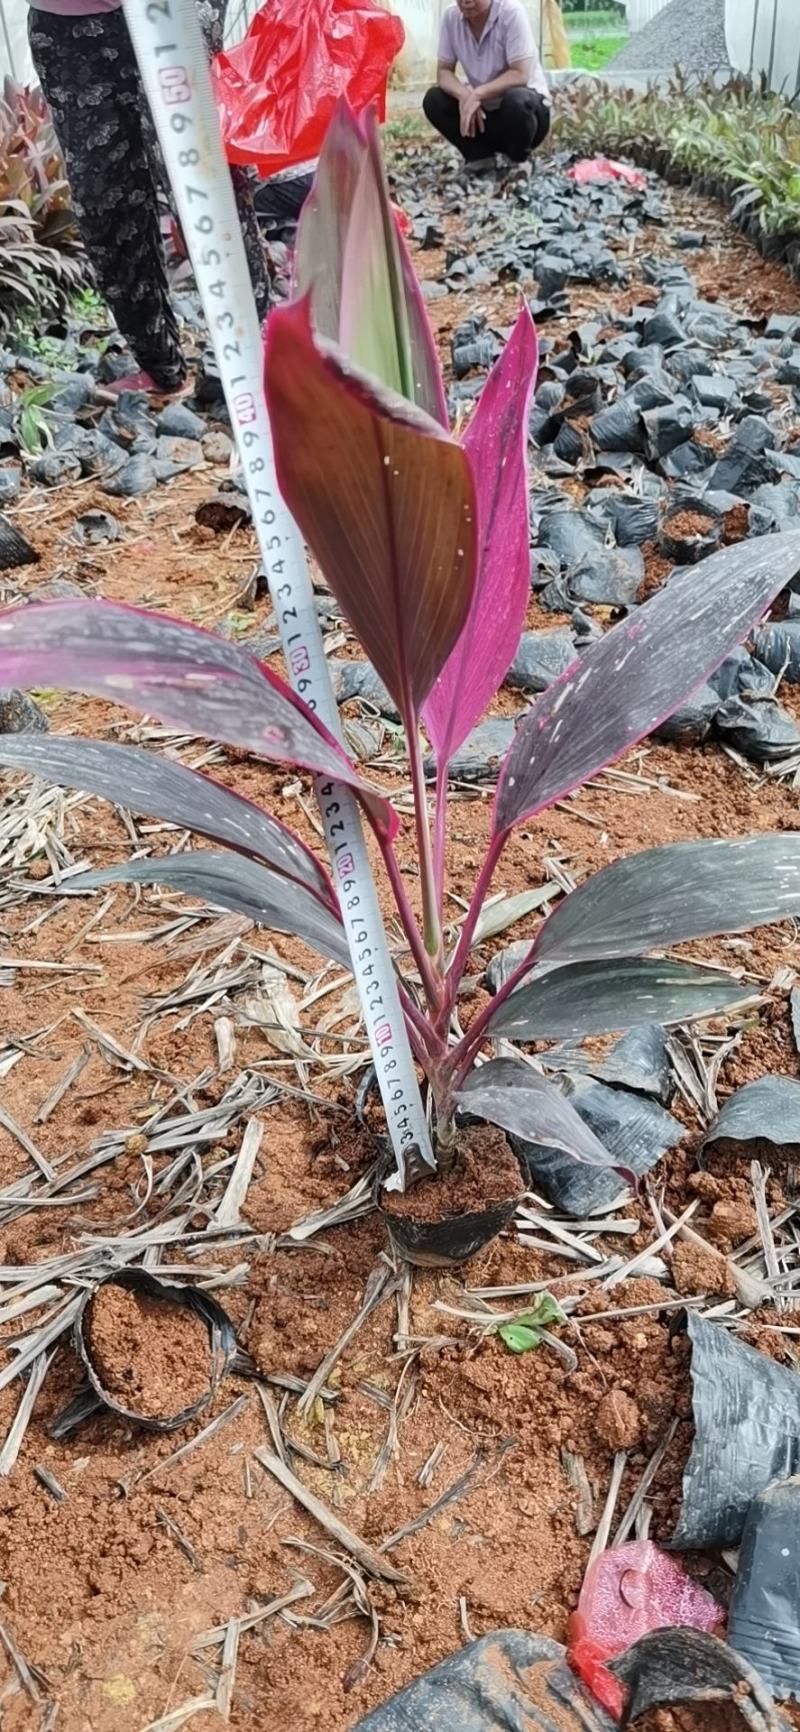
<point>746,1413</point>
<point>542,656</point>
<point>15,550</point>
<point>631,519</point>
<point>742,676</point>
<point>653,391</point>
<point>690,724</point>
<point>222,1347</point>
<point>610,578</point>
<point>636,1131</point>
<point>570,534</point>
<point>778,647</point>
<point>666,427</point>
<point>637,1061</point>
<point>506,1682</point>
<point>761,730</point>
<point>761,1116</point>
<point>618,427</point>
<point>676,1666</point>
<point>764,1621</point>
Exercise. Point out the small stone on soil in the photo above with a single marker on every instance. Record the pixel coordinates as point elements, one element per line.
<point>618,1422</point>
<point>20,714</point>
<point>730,1222</point>
<point>696,1270</point>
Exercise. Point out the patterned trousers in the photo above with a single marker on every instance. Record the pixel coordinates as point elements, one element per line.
<point>88,72</point>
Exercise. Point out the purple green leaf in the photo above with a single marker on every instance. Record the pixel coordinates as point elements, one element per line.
<point>325,218</point>
<point>429,392</point>
<point>374,330</point>
<point>385,500</point>
<point>587,998</point>
<point>153,786</point>
<point>669,895</point>
<point>185,677</point>
<point>510,1094</point>
<point>496,444</point>
<point>354,262</point>
<point>638,674</point>
<point>242,886</point>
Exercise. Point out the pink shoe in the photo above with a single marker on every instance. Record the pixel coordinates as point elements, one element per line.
<point>132,382</point>
<point>143,382</point>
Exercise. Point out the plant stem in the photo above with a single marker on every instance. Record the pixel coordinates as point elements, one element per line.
<point>431,1047</point>
<point>462,1056</point>
<point>440,836</point>
<point>431,983</point>
<point>470,921</point>
<point>431,924</point>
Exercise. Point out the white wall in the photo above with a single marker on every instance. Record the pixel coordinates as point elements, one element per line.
<point>764,36</point>
<point>15,56</point>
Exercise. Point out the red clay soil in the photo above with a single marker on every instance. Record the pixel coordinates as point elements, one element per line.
<point>686,525</point>
<point>484,1171</point>
<point>107,1594</point>
<point>149,1355</point>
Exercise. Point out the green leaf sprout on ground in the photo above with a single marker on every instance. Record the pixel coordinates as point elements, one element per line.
<point>525,1331</point>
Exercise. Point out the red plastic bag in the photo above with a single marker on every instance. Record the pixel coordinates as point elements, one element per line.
<point>277,90</point>
<point>627,1592</point>
<point>602,168</point>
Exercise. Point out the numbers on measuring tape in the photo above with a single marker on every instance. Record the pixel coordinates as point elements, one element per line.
<point>174,85</point>
<point>244,408</point>
<point>299,660</point>
<point>157,9</point>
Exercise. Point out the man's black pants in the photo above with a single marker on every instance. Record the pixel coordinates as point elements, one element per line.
<point>517,127</point>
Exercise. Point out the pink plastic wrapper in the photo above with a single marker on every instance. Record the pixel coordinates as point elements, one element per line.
<point>627,1592</point>
<point>277,89</point>
<point>602,168</point>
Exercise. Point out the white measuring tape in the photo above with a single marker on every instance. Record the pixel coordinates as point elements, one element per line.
<point>173,63</point>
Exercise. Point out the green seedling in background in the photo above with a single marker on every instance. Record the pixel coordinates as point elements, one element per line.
<point>526,1330</point>
<point>32,423</point>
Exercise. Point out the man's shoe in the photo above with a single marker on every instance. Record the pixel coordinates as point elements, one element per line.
<point>482,166</point>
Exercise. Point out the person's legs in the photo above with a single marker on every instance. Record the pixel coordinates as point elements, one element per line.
<point>88,73</point>
<point>518,126</point>
<point>443,112</point>
<point>212,20</point>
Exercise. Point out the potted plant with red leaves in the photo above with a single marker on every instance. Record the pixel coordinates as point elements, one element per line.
<point>423,539</point>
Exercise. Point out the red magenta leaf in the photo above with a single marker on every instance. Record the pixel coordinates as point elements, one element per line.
<point>496,444</point>
<point>631,679</point>
<point>384,498</point>
<point>186,677</point>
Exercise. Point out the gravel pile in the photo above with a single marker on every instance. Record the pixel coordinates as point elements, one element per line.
<point>688,33</point>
